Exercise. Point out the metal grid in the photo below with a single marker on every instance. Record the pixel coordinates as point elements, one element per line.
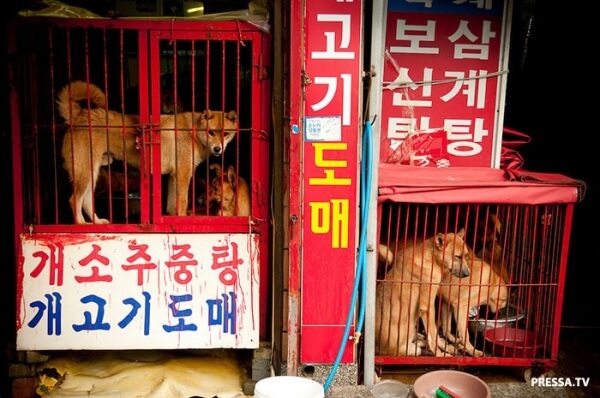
<point>524,246</point>
<point>145,69</point>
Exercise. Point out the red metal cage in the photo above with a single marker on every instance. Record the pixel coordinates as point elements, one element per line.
<point>147,70</point>
<point>506,309</point>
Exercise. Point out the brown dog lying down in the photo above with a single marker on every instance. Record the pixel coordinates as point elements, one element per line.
<point>97,135</point>
<point>409,290</point>
<point>459,295</point>
<point>228,194</point>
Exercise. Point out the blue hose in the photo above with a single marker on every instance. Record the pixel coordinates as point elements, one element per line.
<point>360,281</point>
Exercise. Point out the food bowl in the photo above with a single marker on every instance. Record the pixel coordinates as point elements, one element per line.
<point>390,388</point>
<point>463,384</point>
<point>513,342</point>
<point>482,318</point>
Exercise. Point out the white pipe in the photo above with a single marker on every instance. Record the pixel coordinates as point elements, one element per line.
<point>379,16</point>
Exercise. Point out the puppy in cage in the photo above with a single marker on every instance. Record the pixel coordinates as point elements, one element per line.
<point>483,286</point>
<point>228,194</point>
<point>97,135</point>
<point>407,294</point>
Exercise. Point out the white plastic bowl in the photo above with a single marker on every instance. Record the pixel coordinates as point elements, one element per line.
<point>389,388</point>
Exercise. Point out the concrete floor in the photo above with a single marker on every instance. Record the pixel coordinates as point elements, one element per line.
<point>578,357</point>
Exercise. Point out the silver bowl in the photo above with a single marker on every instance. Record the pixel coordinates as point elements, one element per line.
<point>482,319</point>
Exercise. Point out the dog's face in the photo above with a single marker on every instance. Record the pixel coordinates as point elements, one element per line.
<point>452,253</point>
<point>216,130</point>
<point>221,194</point>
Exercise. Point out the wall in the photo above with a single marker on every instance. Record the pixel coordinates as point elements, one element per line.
<point>547,99</point>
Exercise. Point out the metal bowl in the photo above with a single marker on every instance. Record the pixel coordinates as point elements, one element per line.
<point>482,318</point>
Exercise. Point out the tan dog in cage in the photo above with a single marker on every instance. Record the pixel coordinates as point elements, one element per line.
<point>97,135</point>
<point>491,249</point>
<point>228,194</point>
<point>482,287</point>
<point>408,293</point>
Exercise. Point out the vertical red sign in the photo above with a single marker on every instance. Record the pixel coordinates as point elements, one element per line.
<point>331,132</point>
<point>443,82</point>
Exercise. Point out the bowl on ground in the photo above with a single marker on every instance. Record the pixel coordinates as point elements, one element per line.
<point>389,388</point>
<point>462,384</point>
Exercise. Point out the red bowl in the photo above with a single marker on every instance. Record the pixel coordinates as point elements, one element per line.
<point>513,342</point>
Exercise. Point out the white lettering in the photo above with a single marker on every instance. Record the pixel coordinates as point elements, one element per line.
<point>582,381</point>
<point>344,43</point>
<point>415,35</point>
<point>560,382</point>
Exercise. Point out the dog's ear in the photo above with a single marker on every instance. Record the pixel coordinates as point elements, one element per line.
<point>461,233</point>
<point>439,241</point>
<point>232,115</point>
<point>207,114</point>
<point>231,175</point>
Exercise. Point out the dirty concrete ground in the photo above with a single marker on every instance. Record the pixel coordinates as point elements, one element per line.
<point>579,356</point>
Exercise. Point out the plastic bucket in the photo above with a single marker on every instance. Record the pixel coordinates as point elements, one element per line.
<point>288,387</point>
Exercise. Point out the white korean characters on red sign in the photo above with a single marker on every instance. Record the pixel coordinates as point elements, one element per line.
<point>443,82</point>
<point>331,133</point>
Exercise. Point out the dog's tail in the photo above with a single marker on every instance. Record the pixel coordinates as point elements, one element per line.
<point>72,94</point>
<point>385,254</point>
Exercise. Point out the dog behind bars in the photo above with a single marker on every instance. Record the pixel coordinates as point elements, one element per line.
<point>483,286</point>
<point>97,135</point>
<point>408,292</point>
<point>229,194</point>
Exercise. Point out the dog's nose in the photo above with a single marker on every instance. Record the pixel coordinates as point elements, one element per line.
<point>217,150</point>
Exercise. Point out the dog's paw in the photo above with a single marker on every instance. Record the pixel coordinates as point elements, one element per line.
<point>477,353</point>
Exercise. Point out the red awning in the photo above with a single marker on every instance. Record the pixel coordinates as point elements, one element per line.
<point>409,184</point>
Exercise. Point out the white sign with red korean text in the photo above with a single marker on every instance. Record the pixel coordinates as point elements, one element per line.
<point>444,82</point>
<point>138,291</point>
